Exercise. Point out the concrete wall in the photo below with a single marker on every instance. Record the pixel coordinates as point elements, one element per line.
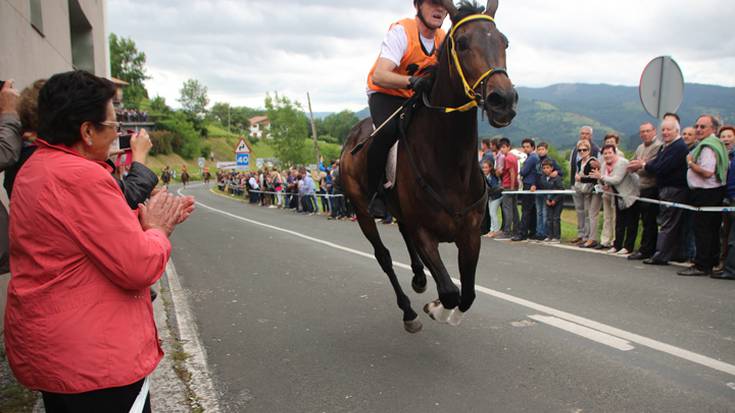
<point>27,55</point>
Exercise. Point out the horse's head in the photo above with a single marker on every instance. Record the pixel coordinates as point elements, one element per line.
<point>477,50</point>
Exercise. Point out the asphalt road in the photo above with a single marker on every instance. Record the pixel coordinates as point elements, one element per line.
<point>294,319</point>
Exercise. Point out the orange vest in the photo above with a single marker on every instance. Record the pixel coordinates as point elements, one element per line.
<point>414,57</point>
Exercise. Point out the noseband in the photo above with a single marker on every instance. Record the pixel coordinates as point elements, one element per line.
<point>475,99</point>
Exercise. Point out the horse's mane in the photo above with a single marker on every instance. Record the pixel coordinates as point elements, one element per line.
<point>467,8</point>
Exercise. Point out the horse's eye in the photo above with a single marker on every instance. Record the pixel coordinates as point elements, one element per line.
<point>463,44</point>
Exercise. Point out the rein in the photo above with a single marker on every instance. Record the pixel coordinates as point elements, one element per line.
<point>475,99</point>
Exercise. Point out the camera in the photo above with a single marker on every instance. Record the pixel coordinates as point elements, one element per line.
<point>2,83</point>
<point>125,141</point>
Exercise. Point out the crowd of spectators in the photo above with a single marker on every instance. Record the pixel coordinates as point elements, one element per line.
<point>131,115</point>
<point>295,188</point>
<point>79,323</point>
<point>693,166</point>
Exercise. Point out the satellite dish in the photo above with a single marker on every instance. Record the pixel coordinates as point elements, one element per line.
<point>661,87</point>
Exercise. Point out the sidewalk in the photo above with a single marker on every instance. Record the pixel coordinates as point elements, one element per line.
<point>169,392</point>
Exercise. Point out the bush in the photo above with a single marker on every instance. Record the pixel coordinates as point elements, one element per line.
<point>162,142</point>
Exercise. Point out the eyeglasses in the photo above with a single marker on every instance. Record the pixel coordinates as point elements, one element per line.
<point>702,126</point>
<point>583,150</point>
<point>111,124</point>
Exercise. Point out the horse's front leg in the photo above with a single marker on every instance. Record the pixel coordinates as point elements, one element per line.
<point>469,254</point>
<point>442,309</point>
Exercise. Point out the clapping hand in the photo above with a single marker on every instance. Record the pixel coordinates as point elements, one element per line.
<point>164,211</point>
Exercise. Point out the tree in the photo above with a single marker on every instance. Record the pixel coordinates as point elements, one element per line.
<point>128,64</point>
<point>288,129</point>
<point>339,124</point>
<point>194,99</point>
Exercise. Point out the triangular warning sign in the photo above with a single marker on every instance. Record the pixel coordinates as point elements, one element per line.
<point>242,147</point>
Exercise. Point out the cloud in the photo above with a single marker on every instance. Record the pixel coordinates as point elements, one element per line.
<point>243,49</point>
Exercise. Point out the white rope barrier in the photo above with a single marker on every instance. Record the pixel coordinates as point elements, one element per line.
<point>295,194</point>
<point>646,200</point>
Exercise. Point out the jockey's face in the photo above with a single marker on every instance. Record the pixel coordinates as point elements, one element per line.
<point>433,14</point>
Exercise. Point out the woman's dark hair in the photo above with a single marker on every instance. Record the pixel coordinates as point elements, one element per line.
<point>724,128</point>
<point>69,99</point>
<point>609,146</point>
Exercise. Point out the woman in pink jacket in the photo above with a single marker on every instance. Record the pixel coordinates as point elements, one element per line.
<point>79,322</point>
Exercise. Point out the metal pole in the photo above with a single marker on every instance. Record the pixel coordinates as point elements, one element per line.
<point>313,130</point>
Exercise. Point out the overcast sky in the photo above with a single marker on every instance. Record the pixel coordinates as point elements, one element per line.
<point>242,49</point>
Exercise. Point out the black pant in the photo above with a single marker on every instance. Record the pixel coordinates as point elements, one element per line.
<point>671,234</point>
<point>626,226</point>
<point>553,219</point>
<point>381,107</point>
<point>112,400</point>
<point>528,214</point>
<point>648,214</point>
<point>707,227</point>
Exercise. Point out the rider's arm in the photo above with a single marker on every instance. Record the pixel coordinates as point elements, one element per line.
<point>392,50</point>
<point>386,77</point>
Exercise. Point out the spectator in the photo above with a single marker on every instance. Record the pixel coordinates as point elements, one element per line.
<point>690,137</point>
<point>647,212</point>
<point>487,152</point>
<point>607,237</point>
<point>495,196</point>
<point>669,167</point>
<point>97,255</point>
<point>253,190</point>
<point>10,147</point>
<point>552,203</point>
<point>586,133</point>
<point>509,182</point>
<point>617,179</point>
<point>584,188</point>
<point>28,113</point>
<point>529,173</point>
<point>729,267</point>
<point>542,150</point>
<point>706,176</point>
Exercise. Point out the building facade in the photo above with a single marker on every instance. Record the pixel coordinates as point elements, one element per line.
<point>260,127</point>
<point>39,38</point>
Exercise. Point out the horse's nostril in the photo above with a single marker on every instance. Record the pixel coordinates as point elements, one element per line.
<point>495,100</point>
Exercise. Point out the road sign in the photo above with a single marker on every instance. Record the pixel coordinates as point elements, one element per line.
<point>661,87</point>
<point>243,160</point>
<point>226,165</point>
<point>201,162</point>
<point>242,147</point>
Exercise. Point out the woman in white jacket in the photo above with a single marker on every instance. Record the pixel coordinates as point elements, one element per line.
<point>615,179</point>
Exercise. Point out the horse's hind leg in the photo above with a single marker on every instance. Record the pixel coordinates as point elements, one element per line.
<point>367,224</point>
<point>418,283</point>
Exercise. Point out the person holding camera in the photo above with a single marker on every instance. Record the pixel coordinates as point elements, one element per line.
<point>79,323</point>
<point>10,145</point>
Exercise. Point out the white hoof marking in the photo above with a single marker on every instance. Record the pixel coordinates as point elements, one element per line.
<point>437,311</point>
<point>456,318</point>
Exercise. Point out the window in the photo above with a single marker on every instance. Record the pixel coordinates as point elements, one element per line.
<point>82,42</point>
<point>37,16</point>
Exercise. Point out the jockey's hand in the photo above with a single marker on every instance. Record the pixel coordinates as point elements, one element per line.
<point>419,84</point>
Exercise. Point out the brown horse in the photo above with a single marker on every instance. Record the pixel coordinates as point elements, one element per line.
<point>440,193</point>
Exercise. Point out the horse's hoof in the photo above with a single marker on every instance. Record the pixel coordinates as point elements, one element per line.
<point>437,312</point>
<point>456,318</point>
<point>418,288</point>
<point>413,326</point>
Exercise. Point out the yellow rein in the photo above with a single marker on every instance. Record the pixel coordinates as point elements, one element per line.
<point>469,91</point>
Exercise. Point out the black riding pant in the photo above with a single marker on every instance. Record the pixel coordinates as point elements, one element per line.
<point>116,399</point>
<point>381,107</point>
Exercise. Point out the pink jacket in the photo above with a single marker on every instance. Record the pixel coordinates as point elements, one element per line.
<point>79,314</point>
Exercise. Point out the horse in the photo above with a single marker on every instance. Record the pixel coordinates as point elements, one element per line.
<point>184,177</point>
<point>439,194</point>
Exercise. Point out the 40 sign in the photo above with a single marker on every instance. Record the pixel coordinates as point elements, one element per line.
<point>242,155</point>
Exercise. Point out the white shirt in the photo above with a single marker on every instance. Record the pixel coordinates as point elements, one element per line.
<point>395,44</point>
<point>253,183</point>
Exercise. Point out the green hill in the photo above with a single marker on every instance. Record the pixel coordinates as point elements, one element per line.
<point>555,113</point>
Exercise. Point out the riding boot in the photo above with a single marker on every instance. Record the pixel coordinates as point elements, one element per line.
<point>377,207</point>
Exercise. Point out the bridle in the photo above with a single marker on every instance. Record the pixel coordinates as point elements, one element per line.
<point>475,99</point>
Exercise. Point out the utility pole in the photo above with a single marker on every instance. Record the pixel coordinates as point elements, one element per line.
<point>228,119</point>
<point>313,130</point>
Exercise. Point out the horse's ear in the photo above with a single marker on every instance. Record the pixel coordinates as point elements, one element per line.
<point>451,8</point>
<point>492,7</point>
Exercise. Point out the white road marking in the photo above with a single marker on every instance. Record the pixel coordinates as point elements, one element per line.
<point>625,335</point>
<point>585,332</point>
<point>196,363</point>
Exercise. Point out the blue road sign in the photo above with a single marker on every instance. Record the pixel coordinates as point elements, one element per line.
<point>243,159</point>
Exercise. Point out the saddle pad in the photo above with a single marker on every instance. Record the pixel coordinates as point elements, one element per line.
<point>390,166</point>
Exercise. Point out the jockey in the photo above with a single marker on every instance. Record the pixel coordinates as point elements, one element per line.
<point>410,46</point>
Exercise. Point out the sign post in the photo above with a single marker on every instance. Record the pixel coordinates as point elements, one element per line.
<point>242,156</point>
<point>662,87</point>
